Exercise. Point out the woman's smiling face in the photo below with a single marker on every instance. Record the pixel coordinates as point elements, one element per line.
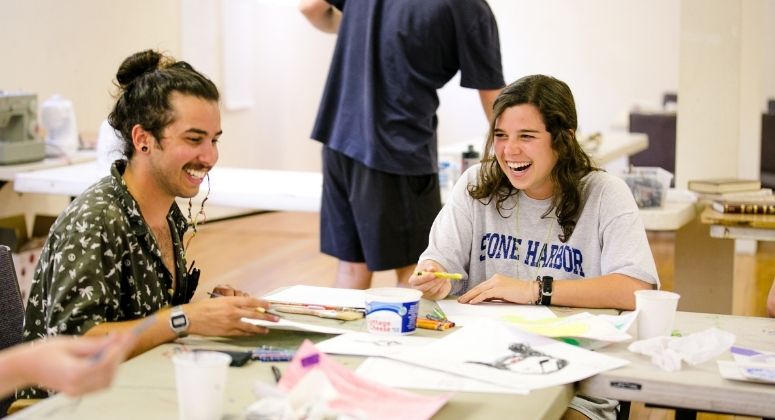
<point>524,151</point>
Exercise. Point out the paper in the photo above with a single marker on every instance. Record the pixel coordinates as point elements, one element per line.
<point>696,348</point>
<point>364,344</point>
<point>356,395</point>
<point>463,313</point>
<point>497,353</point>
<point>286,324</point>
<point>323,296</point>
<point>584,329</point>
<point>403,375</point>
<point>749,365</point>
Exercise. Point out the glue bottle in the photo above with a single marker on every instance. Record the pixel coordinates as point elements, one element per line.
<point>470,158</point>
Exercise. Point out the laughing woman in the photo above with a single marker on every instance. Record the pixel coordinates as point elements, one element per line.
<point>535,222</point>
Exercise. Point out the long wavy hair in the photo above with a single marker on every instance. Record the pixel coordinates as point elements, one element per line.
<point>554,101</point>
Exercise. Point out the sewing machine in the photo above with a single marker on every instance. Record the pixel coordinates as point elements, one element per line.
<point>18,129</point>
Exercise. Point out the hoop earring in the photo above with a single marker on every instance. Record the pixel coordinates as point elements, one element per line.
<point>144,149</point>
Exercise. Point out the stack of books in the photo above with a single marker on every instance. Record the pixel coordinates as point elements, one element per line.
<point>737,208</point>
<point>732,195</point>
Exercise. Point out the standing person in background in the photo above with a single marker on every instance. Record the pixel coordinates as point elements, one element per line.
<point>771,300</point>
<point>115,256</point>
<point>377,121</point>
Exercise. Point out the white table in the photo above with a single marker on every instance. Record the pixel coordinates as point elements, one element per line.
<point>230,187</point>
<point>147,382</point>
<point>262,189</point>
<point>698,387</point>
<point>9,172</point>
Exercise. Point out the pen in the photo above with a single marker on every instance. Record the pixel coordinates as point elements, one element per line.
<point>430,324</point>
<point>277,374</point>
<point>442,275</point>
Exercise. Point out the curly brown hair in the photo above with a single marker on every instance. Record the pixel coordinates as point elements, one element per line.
<point>554,101</point>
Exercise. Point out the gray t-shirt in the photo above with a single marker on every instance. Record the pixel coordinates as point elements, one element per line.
<point>473,238</point>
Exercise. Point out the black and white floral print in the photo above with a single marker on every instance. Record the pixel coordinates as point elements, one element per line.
<point>102,264</point>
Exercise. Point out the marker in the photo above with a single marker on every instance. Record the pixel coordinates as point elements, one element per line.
<point>442,275</point>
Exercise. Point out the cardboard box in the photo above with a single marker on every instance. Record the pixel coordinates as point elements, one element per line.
<point>25,246</point>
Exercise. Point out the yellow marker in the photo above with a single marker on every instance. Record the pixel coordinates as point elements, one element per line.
<point>442,275</point>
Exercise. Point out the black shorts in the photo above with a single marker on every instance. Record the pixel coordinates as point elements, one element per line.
<point>375,217</point>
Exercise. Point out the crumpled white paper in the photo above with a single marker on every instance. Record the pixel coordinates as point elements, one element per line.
<point>307,400</point>
<point>696,348</point>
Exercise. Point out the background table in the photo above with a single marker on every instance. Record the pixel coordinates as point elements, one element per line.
<point>693,387</point>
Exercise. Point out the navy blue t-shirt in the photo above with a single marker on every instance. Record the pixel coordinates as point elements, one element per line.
<point>379,104</point>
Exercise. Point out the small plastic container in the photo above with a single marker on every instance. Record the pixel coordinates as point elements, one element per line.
<point>648,185</point>
<point>392,310</point>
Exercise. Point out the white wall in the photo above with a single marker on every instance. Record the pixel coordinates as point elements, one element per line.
<point>74,48</point>
<point>614,55</point>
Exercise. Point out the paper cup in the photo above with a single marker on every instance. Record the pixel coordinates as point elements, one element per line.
<point>656,312</point>
<point>392,310</point>
<point>201,379</point>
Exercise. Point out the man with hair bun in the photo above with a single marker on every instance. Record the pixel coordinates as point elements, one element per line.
<point>115,256</point>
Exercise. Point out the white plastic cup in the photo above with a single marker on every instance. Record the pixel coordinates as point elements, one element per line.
<point>656,312</point>
<point>392,310</point>
<point>200,378</point>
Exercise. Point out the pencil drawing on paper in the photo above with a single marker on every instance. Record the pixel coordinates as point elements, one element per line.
<point>523,359</point>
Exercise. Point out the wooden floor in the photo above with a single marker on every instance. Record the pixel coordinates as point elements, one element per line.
<point>259,253</point>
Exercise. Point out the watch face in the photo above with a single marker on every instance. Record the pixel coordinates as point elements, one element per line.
<point>179,321</point>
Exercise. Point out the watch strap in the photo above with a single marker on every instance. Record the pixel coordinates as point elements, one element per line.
<point>179,321</point>
<point>546,290</point>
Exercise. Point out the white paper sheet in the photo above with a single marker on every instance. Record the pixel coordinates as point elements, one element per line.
<point>749,365</point>
<point>462,313</point>
<point>285,324</point>
<point>494,352</point>
<point>364,344</point>
<point>397,374</point>
<point>323,296</point>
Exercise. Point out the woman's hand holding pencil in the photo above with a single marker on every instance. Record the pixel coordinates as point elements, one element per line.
<point>432,279</point>
<point>442,275</point>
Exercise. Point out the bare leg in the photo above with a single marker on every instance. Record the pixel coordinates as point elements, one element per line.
<point>403,274</point>
<point>351,275</point>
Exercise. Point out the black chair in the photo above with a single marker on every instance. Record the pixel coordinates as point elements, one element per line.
<point>12,307</point>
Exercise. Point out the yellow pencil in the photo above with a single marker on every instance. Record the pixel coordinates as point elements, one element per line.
<point>442,275</point>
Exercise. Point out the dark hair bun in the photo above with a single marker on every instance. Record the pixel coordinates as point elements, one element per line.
<point>136,65</point>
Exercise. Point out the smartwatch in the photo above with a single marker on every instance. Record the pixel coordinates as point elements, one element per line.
<point>546,290</point>
<point>179,321</point>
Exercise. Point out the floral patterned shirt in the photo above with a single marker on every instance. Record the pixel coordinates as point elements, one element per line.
<point>101,263</point>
